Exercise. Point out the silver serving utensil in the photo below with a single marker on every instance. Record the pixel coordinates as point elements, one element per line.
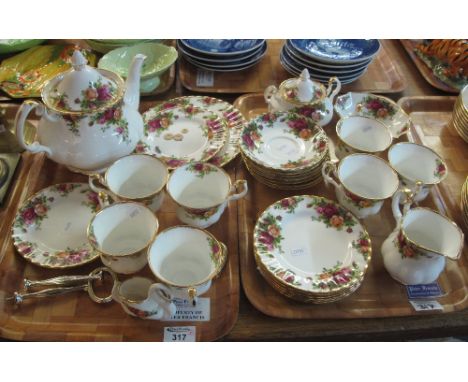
<point>18,298</point>
<point>62,281</point>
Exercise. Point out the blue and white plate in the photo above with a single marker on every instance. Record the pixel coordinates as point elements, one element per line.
<point>222,69</point>
<point>338,51</point>
<point>223,47</point>
<point>208,60</point>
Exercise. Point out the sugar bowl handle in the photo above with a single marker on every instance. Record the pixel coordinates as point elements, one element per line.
<point>20,119</point>
<point>331,93</point>
<point>239,184</point>
<point>270,91</point>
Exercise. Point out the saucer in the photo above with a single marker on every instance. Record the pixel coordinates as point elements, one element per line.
<point>49,229</point>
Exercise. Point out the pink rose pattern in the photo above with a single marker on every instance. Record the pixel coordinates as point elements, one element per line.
<point>33,213</point>
<point>96,95</point>
<point>200,169</point>
<point>215,251</point>
<point>333,215</point>
<point>440,169</point>
<point>65,188</point>
<point>288,204</point>
<point>376,107</point>
<point>112,117</point>
<point>141,147</point>
<point>92,200</point>
<point>406,249</point>
<point>314,112</point>
<point>269,233</point>
<point>159,123</point>
<point>363,245</point>
<point>337,276</point>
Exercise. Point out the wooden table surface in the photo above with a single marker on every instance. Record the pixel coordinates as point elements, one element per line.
<point>255,326</point>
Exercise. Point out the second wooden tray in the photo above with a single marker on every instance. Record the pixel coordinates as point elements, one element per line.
<point>379,295</point>
<point>382,76</point>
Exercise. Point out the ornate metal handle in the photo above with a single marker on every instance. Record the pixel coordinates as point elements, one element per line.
<point>18,298</point>
<point>61,281</point>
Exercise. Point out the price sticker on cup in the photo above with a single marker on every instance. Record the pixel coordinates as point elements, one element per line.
<point>180,334</point>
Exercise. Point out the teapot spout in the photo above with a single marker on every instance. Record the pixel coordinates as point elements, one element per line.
<point>132,92</point>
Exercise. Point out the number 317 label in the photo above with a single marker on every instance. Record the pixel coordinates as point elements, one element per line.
<point>180,334</point>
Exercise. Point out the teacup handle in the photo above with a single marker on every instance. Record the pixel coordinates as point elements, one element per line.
<point>329,168</point>
<point>163,297</point>
<point>103,193</point>
<point>20,120</point>
<point>397,212</point>
<point>330,92</point>
<point>270,91</point>
<point>238,184</point>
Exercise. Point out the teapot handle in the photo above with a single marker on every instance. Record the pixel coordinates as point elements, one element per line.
<point>270,91</point>
<point>330,92</point>
<point>20,119</point>
<point>328,168</point>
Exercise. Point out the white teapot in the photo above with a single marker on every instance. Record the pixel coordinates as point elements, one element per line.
<point>305,97</point>
<point>89,118</point>
<point>415,251</point>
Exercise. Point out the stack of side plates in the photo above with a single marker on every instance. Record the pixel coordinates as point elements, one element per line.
<point>284,150</point>
<point>460,114</point>
<point>311,249</point>
<point>346,59</point>
<point>464,202</point>
<point>223,55</point>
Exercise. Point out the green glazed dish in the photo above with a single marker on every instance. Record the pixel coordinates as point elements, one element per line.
<point>159,58</point>
<point>104,46</point>
<point>15,45</point>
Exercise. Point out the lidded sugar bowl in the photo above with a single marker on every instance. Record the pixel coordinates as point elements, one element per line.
<point>304,96</point>
<point>89,117</point>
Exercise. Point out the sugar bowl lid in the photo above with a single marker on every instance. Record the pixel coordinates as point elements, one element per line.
<point>83,89</point>
<point>302,90</point>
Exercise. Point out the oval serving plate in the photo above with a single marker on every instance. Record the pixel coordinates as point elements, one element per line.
<point>182,134</point>
<point>49,229</point>
<point>284,141</point>
<point>312,245</point>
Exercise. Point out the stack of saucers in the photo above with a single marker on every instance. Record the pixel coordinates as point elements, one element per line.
<point>311,249</point>
<point>464,202</point>
<point>284,150</point>
<point>223,55</point>
<point>346,59</point>
<point>460,114</point>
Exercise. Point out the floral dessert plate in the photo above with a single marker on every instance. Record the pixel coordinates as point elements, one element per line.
<point>336,50</point>
<point>49,229</point>
<point>312,244</point>
<point>284,141</point>
<point>182,134</point>
<point>226,113</point>
<point>370,105</point>
<point>224,47</point>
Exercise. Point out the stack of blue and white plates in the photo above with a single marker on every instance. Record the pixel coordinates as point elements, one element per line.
<point>346,59</point>
<point>223,55</point>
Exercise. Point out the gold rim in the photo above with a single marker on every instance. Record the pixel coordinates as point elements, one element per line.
<point>120,84</point>
<point>373,156</point>
<point>140,198</point>
<point>425,147</point>
<point>213,274</point>
<point>202,208</point>
<point>462,236</point>
<point>128,300</point>
<point>293,287</point>
<point>37,262</point>
<point>129,254</point>
<point>338,133</point>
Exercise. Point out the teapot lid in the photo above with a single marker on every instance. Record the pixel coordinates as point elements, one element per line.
<point>82,89</point>
<point>302,90</point>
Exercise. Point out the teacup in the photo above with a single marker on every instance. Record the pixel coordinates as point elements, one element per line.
<point>364,182</point>
<point>136,177</point>
<point>121,233</point>
<point>140,297</point>
<point>202,192</point>
<point>363,135</point>
<point>415,252</point>
<point>186,259</point>
<point>417,164</point>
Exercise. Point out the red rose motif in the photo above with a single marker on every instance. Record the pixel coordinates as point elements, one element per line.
<point>40,209</point>
<point>154,124</point>
<point>285,203</point>
<point>198,166</point>
<point>374,104</point>
<point>248,141</point>
<point>28,215</point>
<point>329,210</point>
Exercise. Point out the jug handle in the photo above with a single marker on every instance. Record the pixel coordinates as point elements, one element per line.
<point>330,92</point>
<point>103,193</point>
<point>329,168</point>
<point>20,119</point>
<point>241,183</point>
<point>270,91</point>
<point>165,294</point>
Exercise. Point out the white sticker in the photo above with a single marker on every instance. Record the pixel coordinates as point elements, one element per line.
<point>179,334</point>
<point>298,252</point>
<point>205,78</point>
<point>187,312</point>
<point>421,306</point>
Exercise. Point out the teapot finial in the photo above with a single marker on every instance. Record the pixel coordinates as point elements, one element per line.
<point>78,60</point>
<point>305,87</point>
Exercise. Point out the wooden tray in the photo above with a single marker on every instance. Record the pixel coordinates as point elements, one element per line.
<point>383,75</point>
<point>425,70</point>
<point>75,317</point>
<point>379,295</point>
